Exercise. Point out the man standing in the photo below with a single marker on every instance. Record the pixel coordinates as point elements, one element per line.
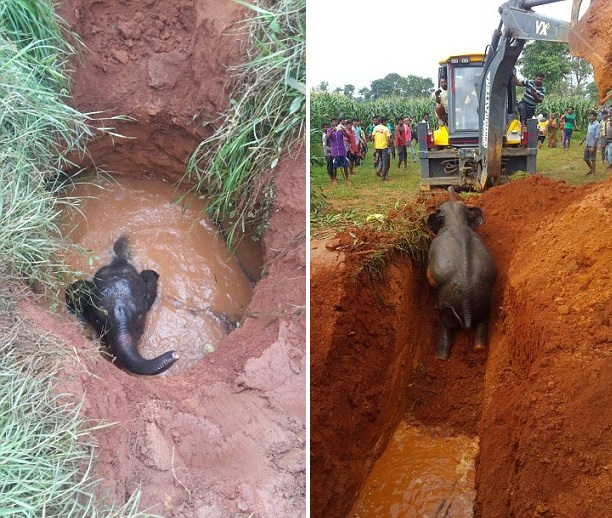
<point>381,137</point>
<point>336,136</point>
<point>534,94</point>
<point>371,127</point>
<point>605,136</point>
<point>400,143</point>
<point>409,137</point>
<point>592,139</point>
<point>569,125</point>
<point>441,96</point>
<point>327,152</point>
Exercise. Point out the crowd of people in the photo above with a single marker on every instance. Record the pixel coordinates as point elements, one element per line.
<point>599,129</point>
<point>597,138</point>
<point>346,145</point>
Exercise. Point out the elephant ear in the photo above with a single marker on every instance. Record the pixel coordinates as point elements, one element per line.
<point>475,217</point>
<point>150,281</point>
<point>435,221</point>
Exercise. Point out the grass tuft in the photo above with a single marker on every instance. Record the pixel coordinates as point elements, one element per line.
<point>265,118</point>
<point>46,448</point>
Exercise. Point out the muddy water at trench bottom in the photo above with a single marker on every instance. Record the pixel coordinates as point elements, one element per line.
<point>420,475</point>
<point>202,291</point>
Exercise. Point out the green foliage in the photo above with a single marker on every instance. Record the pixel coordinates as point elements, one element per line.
<point>563,74</point>
<point>33,27</point>
<point>46,451</point>
<point>394,85</point>
<point>37,132</point>
<point>266,118</point>
<point>550,58</point>
<point>558,103</point>
<point>324,105</point>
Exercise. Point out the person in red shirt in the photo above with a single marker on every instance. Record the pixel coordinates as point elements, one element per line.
<point>400,143</point>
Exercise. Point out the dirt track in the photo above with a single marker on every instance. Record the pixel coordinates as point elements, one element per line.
<point>539,400</point>
<point>226,438</point>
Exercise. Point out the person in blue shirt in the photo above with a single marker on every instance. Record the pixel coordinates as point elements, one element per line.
<point>592,140</point>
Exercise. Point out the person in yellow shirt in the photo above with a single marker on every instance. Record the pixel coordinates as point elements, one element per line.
<point>542,129</point>
<point>382,137</point>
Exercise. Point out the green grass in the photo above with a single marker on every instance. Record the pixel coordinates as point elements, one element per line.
<point>46,447</point>
<point>338,207</point>
<point>265,118</point>
<point>351,203</point>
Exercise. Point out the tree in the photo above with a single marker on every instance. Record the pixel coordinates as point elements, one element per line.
<point>550,58</point>
<point>349,90</point>
<point>396,85</point>
<point>323,86</point>
<point>582,73</point>
<point>365,94</point>
<point>418,86</point>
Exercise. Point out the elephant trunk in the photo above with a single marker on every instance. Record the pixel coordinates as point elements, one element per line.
<point>124,349</point>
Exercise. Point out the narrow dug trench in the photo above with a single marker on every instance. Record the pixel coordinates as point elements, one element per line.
<point>221,433</point>
<point>534,410</point>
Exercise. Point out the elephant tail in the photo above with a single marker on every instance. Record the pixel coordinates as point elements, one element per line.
<point>121,248</point>
<point>464,315</point>
<point>467,313</point>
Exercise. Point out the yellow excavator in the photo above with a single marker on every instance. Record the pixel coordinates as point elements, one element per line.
<point>482,140</point>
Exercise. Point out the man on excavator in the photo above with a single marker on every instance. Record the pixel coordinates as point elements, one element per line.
<point>441,95</point>
<point>534,94</point>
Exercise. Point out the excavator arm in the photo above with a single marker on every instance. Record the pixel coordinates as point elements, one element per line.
<point>518,24</point>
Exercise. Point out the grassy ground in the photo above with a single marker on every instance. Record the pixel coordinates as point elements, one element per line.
<point>347,204</point>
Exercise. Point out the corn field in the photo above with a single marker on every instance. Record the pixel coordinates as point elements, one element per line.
<point>324,105</point>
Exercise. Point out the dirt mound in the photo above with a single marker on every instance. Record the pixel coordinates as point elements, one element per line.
<point>226,438</point>
<point>590,38</point>
<point>537,400</point>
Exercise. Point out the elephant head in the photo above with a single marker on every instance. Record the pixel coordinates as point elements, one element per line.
<point>116,302</point>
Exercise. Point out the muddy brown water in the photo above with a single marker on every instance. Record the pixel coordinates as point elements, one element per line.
<point>420,474</point>
<point>203,290</point>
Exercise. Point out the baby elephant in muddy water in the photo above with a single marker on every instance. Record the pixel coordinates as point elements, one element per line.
<point>462,271</point>
<point>116,302</point>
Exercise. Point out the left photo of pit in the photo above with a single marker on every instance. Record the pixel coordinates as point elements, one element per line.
<point>153,252</point>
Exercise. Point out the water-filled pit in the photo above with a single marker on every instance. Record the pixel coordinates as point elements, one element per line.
<point>203,289</point>
<point>420,474</point>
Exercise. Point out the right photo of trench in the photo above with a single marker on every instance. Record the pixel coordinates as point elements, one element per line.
<point>460,293</point>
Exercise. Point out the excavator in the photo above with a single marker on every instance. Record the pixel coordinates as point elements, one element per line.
<point>482,140</point>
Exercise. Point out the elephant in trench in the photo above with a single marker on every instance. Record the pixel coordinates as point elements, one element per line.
<point>116,302</point>
<point>462,271</point>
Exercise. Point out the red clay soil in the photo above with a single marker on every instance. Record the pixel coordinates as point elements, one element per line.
<point>226,438</point>
<point>539,399</point>
<point>591,38</point>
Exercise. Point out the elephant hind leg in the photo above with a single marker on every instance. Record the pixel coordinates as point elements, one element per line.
<point>443,347</point>
<point>79,299</point>
<point>481,335</point>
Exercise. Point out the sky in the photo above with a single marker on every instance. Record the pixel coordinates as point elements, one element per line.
<point>345,38</point>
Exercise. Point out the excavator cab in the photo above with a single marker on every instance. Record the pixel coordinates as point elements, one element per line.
<point>482,141</point>
<point>452,154</point>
